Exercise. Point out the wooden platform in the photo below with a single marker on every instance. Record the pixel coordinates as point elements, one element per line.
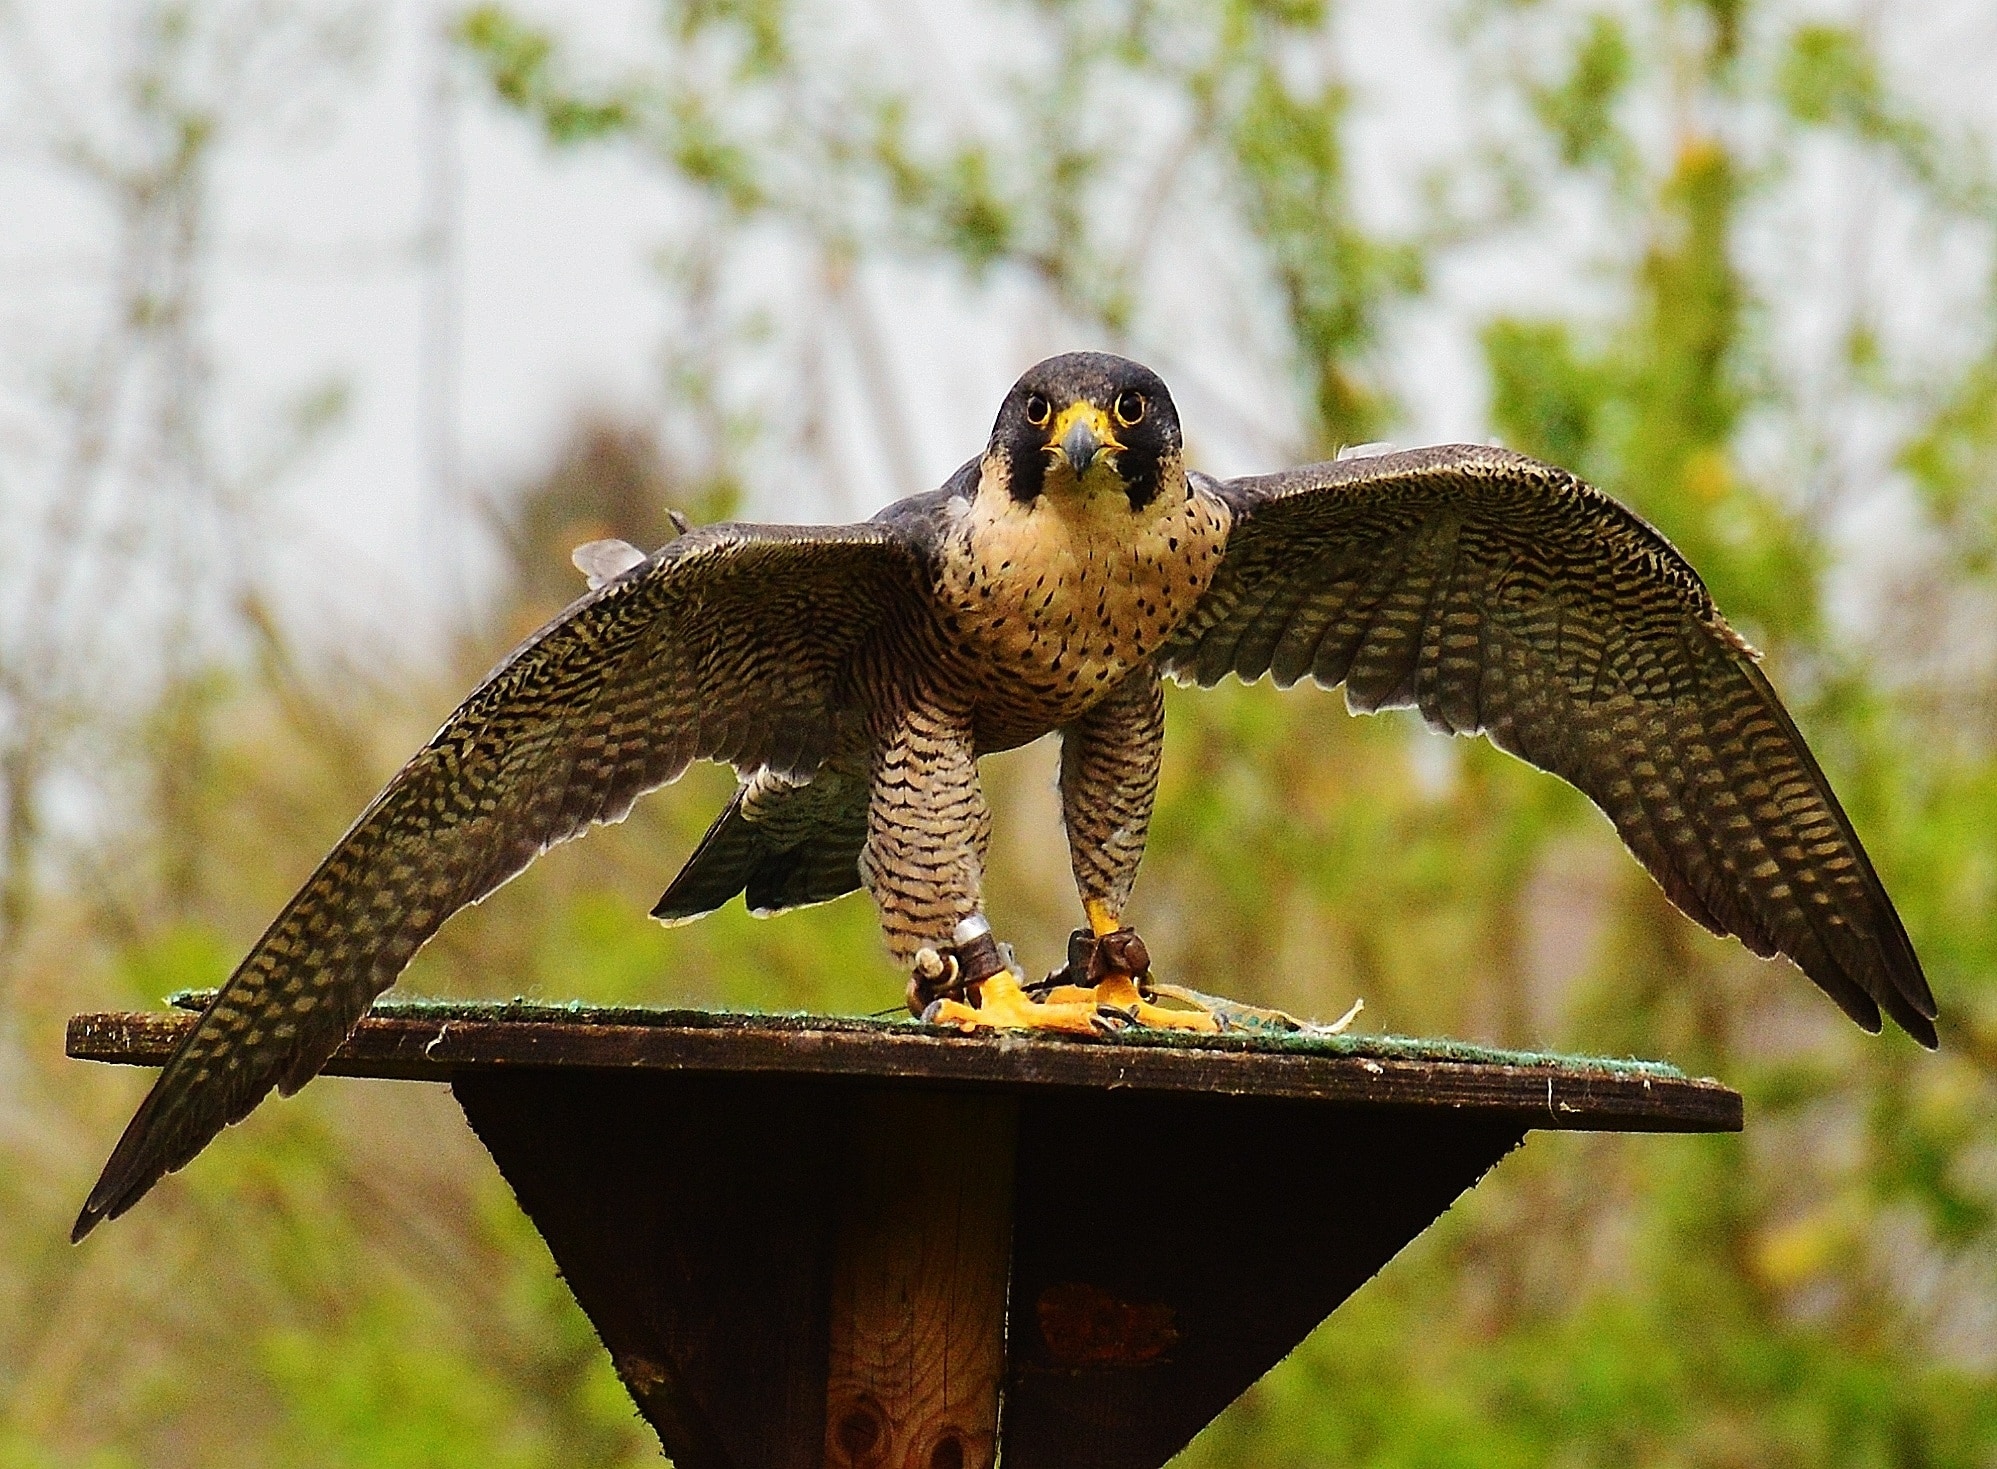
<point>811,1241</point>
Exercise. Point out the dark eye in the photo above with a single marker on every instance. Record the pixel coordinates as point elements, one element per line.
<point>1038,410</point>
<point>1129,408</point>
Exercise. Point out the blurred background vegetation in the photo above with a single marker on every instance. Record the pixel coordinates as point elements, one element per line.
<point>1692,323</point>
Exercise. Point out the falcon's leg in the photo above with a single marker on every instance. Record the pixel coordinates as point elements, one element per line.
<point>927,831</point>
<point>1109,779</point>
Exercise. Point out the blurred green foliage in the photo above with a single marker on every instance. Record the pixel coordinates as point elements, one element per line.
<point>345,1281</point>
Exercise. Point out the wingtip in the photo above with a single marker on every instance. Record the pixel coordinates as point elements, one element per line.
<point>104,1203</point>
<point>107,1201</point>
<point>1865,1008</point>
<point>1907,997</point>
<point>141,1159</point>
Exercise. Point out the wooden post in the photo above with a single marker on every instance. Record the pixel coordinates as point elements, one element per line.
<point>919,1282</point>
<point>814,1243</point>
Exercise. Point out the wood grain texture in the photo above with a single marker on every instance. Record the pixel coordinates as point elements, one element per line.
<point>918,1300</point>
<point>1570,1095</point>
<point>693,1217</point>
<point>719,1229</point>
<point>1160,1272</point>
<point>773,1222</point>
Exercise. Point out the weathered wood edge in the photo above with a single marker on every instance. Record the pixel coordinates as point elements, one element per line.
<point>1568,1097</point>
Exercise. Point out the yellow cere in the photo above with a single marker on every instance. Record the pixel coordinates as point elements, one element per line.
<point>1094,417</point>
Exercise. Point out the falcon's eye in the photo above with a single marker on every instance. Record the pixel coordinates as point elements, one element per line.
<point>1038,410</point>
<point>1129,408</point>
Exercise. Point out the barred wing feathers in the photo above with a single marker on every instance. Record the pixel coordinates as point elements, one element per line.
<point>1502,596</point>
<point>732,643</point>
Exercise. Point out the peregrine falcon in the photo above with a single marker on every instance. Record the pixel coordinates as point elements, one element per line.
<point>853,676</point>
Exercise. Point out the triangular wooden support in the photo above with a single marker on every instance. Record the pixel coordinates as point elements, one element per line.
<point>810,1242</point>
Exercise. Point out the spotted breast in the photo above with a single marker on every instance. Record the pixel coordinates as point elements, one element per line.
<point>1062,600</point>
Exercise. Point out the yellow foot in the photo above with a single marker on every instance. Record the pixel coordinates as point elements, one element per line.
<point>1117,961</point>
<point>1120,993</point>
<point>1003,1004</point>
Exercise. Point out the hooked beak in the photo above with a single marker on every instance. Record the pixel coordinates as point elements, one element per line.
<point>1079,446</point>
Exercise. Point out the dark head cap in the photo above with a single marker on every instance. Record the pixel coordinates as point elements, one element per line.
<point>1087,418</point>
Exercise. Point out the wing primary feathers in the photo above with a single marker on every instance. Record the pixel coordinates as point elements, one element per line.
<point>727,644</point>
<point>1499,593</point>
<point>1902,986</point>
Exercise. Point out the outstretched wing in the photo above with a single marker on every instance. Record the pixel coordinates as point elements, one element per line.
<point>1500,595</point>
<point>732,643</point>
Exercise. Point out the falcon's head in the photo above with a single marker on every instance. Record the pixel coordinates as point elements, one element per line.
<point>1084,425</point>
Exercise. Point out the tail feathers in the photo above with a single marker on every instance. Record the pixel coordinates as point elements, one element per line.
<point>825,868</point>
<point>742,856</point>
<point>718,869</point>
